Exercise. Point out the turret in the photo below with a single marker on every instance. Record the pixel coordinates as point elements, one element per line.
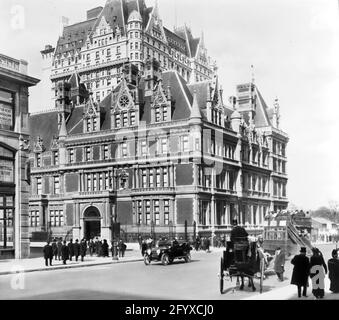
<point>134,31</point>
<point>62,100</point>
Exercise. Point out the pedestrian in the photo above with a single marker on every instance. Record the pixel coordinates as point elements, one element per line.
<point>64,253</point>
<point>48,254</point>
<point>279,263</point>
<point>76,249</point>
<point>83,249</point>
<point>301,271</point>
<point>143,247</point>
<point>105,248</point>
<point>123,249</point>
<point>120,248</point>
<point>98,245</point>
<point>91,247</point>
<point>70,249</point>
<point>333,271</point>
<point>318,269</point>
<point>207,245</point>
<point>55,249</point>
<point>59,245</point>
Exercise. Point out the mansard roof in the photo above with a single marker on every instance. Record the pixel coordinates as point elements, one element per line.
<point>74,36</point>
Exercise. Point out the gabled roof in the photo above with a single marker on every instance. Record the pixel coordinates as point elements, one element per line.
<point>45,125</point>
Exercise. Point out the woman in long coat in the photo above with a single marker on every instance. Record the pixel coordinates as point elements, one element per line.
<point>318,269</point>
<point>104,249</point>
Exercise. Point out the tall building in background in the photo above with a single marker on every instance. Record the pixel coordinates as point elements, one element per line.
<point>141,134</point>
<point>126,31</point>
<point>14,144</point>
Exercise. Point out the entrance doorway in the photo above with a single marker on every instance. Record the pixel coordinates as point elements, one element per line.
<point>92,223</point>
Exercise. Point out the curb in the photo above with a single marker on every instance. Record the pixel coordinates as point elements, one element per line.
<point>53,268</point>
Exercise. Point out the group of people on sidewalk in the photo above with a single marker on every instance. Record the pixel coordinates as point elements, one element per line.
<point>60,250</point>
<point>316,269</point>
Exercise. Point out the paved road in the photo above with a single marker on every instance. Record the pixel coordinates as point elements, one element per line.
<point>180,281</point>
<point>195,280</point>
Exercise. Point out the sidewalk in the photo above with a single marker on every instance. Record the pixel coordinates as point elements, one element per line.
<point>38,264</point>
<point>289,292</point>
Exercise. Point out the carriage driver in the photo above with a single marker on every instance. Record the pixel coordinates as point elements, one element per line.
<point>237,232</point>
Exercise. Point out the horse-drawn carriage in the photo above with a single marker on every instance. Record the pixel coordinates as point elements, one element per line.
<point>243,259</point>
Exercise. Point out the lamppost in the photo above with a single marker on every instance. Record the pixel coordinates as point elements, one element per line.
<point>115,229</point>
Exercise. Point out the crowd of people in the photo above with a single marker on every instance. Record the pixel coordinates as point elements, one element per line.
<point>315,268</point>
<point>62,251</point>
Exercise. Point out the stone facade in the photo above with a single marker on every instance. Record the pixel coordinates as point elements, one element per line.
<point>158,149</point>
<point>14,137</point>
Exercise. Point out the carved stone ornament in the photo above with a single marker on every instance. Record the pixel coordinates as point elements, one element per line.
<point>38,146</point>
<point>23,143</point>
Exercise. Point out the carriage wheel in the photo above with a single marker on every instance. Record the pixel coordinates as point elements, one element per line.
<point>221,280</point>
<point>262,269</point>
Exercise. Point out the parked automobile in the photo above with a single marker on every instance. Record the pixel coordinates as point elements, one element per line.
<point>167,252</point>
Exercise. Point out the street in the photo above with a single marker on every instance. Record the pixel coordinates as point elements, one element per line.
<point>134,281</point>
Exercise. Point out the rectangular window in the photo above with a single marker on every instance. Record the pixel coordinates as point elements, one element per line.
<point>101,181</point>
<point>156,212</point>
<point>89,182</point>
<point>118,49</point>
<point>38,186</point>
<point>163,145</point>
<point>105,152</point>
<point>124,152</point>
<point>125,119</point>
<point>157,114</point>
<point>117,121</point>
<point>166,212</point>
<point>107,184</point>
<point>165,176</point>
<point>71,155</point>
<point>38,160</point>
<point>95,183</point>
<point>34,218</point>
<point>139,212</point>
<point>144,178</point>
<point>88,125</point>
<point>57,218</point>
<point>164,114</point>
<point>143,148</point>
<point>151,178</point>
<point>133,118</point>
<point>108,52</point>
<point>148,212</point>
<point>158,178</point>
<point>56,184</point>
<point>185,144</point>
<point>88,153</point>
<point>56,158</point>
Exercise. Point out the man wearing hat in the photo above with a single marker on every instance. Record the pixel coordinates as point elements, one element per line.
<point>237,232</point>
<point>301,271</point>
<point>333,271</point>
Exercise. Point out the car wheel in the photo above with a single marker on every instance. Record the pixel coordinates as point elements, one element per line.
<point>165,259</point>
<point>188,257</point>
<point>147,260</point>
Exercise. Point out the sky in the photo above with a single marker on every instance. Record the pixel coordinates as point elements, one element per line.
<point>292,44</point>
